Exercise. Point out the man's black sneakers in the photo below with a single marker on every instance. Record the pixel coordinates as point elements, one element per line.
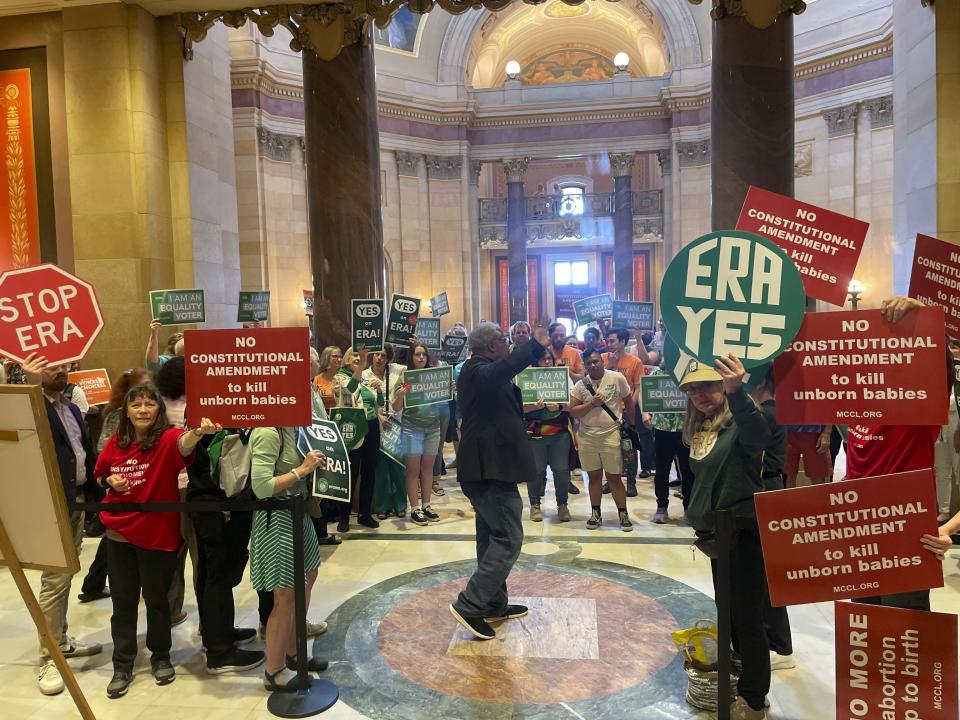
<point>477,626</point>
<point>511,613</point>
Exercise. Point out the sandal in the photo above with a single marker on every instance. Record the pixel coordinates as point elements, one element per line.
<point>437,490</point>
<point>382,516</point>
<point>270,682</point>
<point>329,540</point>
<point>401,513</point>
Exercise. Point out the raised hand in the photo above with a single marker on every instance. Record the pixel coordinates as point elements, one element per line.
<point>731,371</point>
<point>34,366</point>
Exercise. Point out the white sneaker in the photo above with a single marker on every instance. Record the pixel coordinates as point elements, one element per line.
<point>317,628</point>
<point>781,662</point>
<point>49,679</point>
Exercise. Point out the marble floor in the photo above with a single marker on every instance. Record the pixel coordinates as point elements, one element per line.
<point>596,644</point>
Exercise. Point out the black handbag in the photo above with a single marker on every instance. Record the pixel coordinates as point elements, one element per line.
<point>627,432</point>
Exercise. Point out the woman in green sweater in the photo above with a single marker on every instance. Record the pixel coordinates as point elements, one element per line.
<point>350,391</point>
<point>727,434</point>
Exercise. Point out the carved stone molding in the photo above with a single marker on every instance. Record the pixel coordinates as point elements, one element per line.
<point>277,146</point>
<point>803,159</point>
<point>841,120</point>
<point>515,169</point>
<point>407,163</point>
<point>880,111</point>
<point>693,153</point>
<point>759,13</point>
<point>665,158</point>
<point>475,167</point>
<point>621,164</point>
<point>443,167</point>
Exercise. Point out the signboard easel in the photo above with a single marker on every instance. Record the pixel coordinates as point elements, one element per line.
<point>35,531</point>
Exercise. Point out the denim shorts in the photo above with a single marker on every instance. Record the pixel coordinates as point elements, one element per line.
<point>420,441</point>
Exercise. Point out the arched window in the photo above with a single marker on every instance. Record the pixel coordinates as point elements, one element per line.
<point>571,200</point>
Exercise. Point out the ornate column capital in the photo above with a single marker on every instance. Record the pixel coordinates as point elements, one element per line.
<point>324,28</point>
<point>880,111</point>
<point>475,168</point>
<point>665,158</point>
<point>621,164</point>
<point>443,167</point>
<point>759,13</point>
<point>694,152</point>
<point>841,120</point>
<point>515,169</point>
<point>277,146</point>
<point>407,163</point>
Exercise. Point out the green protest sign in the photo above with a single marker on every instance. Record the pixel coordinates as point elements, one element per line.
<point>675,360</point>
<point>366,324</point>
<point>439,305</point>
<point>732,292</point>
<point>451,350</point>
<point>550,384</point>
<point>428,332</point>
<point>391,442</point>
<point>177,307</point>
<point>402,319</point>
<point>332,478</point>
<point>757,375</point>
<point>591,309</point>
<point>253,306</point>
<point>660,394</point>
<point>428,386</point>
<point>352,422</point>
<point>633,315</point>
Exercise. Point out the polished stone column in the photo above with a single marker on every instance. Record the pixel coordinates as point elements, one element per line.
<point>670,244</point>
<point>621,166</point>
<point>517,237</point>
<point>471,169</point>
<point>751,104</point>
<point>343,186</point>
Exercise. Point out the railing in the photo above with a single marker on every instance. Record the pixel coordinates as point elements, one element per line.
<point>558,218</point>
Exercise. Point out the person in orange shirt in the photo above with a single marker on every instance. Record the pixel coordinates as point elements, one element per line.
<point>562,354</point>
<point>617,358</point>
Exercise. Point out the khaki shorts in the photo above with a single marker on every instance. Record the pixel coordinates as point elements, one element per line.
<point>600,453</point>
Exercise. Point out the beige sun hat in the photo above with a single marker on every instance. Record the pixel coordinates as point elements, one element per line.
<point>698,372</point>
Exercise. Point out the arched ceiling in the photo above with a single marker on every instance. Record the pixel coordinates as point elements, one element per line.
<point>544,37</point>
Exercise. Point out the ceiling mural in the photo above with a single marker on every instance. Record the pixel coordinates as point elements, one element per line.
<point>402,34</point>
<point>570,64</point>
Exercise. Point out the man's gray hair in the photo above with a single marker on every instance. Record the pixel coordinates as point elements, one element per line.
<point>483,335</point>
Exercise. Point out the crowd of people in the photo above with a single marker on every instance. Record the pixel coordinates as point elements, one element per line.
<point>717,455</point>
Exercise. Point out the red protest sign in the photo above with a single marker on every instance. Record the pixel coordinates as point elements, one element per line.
<point>824,245</point>
<point>46,310</point>
<point>935,279</point>
<point>895,664</point>
<point>852,539</point>
<point>848,367</point>
<point>257,377</point>
<point>94,383</point>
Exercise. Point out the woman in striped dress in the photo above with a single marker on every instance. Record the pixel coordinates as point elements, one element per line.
<point>277,471</point>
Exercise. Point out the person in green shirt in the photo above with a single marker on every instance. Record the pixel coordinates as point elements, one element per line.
<point>350,391</point>
<point>420,428</point>
<point>727,435</point>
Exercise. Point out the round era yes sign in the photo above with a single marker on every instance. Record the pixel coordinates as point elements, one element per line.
<point>732,292</point>
<point>46,310</point>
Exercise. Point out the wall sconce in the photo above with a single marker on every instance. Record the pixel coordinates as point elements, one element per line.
<point>513,69</point>
<point>855,289</point>
<point>622,61</point>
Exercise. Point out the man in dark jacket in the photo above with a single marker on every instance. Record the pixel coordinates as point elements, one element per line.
<point>493,458</point>
<point>75,460</point>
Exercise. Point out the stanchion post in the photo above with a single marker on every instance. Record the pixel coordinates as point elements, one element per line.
<point>313,696</point>
<point>726,530</point>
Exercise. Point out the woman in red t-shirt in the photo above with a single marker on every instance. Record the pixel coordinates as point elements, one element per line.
<point>140,464</point>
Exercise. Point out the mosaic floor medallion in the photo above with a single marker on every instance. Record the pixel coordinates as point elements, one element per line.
<point>596,644</point>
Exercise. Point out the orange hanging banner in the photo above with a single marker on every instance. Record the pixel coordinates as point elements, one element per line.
<point>19,215</point>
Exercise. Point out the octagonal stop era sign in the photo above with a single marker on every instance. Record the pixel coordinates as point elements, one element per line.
<point>46,310</point>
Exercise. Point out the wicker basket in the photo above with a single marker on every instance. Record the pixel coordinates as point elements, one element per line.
<point>703,687</point>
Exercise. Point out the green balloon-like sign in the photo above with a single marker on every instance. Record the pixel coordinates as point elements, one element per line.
<point>732,292</point>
